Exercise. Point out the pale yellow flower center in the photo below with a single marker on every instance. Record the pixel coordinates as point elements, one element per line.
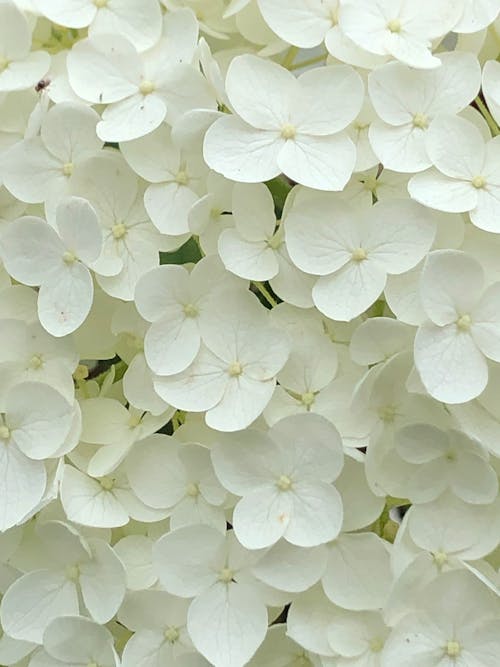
<point>359,254</point>
<point>4,432</point>
<point>284,483</point>
<point>387,413</point>
<point>119,230</point>
<point>394,25</point>
<point>172,634</point>
<point>73,572</point>
<point>67,169</point>
<point>69,257</point>
<point>464,323</point>
<point>146,87</point>
<point>376,644</point>
<point>192,490</point>
<point>420,120</point>
<point>107,483</point>
<point>307,399</point>
<point>479,182</point>
<point>440,558</point>
<point>4,63</point>
<point>288,131</point>
<point>36,362</point>
<point>453,649</point>
<point>190,310</point>
<point>235,369</point>
<point>100,3</point>
<point>182,177</point>
<point>226,575</point>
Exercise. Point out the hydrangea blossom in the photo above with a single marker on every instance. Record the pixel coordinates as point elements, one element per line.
<point>249,333</point>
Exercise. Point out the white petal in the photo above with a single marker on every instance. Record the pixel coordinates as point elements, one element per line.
<point>347,582</point>
<point>450,286</point>
<point>306,24</point>
<point>33,600</point>
<point>350,291</point>
<point>104,70</point>
<point>171,344</point>
<point>261,517</point>
<point>131,118</point>
<point>187,559</point>
<point>65,299</point>
<point>317,514</point>
<point>260,91</point>
<point>449,363</point>
<point>323,162</point>
<point>239,152</point>
<point>486,325</point>
<point>39,417</point>
<point>22,485</point>
<point>250,260</point>
<point>290,568</point>
<point>168,205</point>
<point>79,228</point>
<point>142,28</point>
<point>443,193</point>
<point>455,146</point>
<point>227,624</point>
<point>102,582</point>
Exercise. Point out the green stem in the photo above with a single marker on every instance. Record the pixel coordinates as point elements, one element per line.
<point>306,63</point>
<point>487,116</point>
<point>290,56</point>
<point>266,294</point>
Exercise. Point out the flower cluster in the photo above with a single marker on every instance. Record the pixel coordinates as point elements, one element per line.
<point>249,333</point>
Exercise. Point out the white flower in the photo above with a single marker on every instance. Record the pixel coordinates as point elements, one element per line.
<point>78,641</point>
<point>35,254</point>
<point>285,480</point>
<point>407,100</point>
<point>234,374</point>
<point>227,620</point>
<point>158,621</point>
<point>456,620</point>
<point>20,68</point>
<point>78,567</point>
<point>464,177</point>
<point>137,20</point>
<point>427,461</point>
<point>463,328</point>
<point>176,178</point>
<point>178,303</point>
<point>284,124</point>
<point>393,27</point>
<point>131,242</point>
<point>140,91</point>
<point>180,478</point>
<point>41,169</point>
<point>35,422</point>
<point>354,253</point>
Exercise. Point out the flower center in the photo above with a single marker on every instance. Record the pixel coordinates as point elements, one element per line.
<point>182,177</point>
<point>69,257</point>
<point>67,169</point>
<point>478,182</point>
<point>394,26</point>
<point>35,362</point>
<point>420,120</point>
<point>172,634</point>
<point>107,483</point>
<point>72,572</point>
<point>146,87</point>
<point>307,399</point>
<point>192,490</point>
<point>440,558</point>
<point>284,483</point>
<point>453,649</point>
<point>235,369</point>
<point>4,63</point>
<point>359,254</point>
<point>464,323</point>
<point>288,131</point>
<point>190,310</point>
<point>4,432</point>
<point>81,372</point>
<point>119,231</point>
<point>100,3</point>
<point>226,575</point>
<point>387,413</point>
<point>376,644</point>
